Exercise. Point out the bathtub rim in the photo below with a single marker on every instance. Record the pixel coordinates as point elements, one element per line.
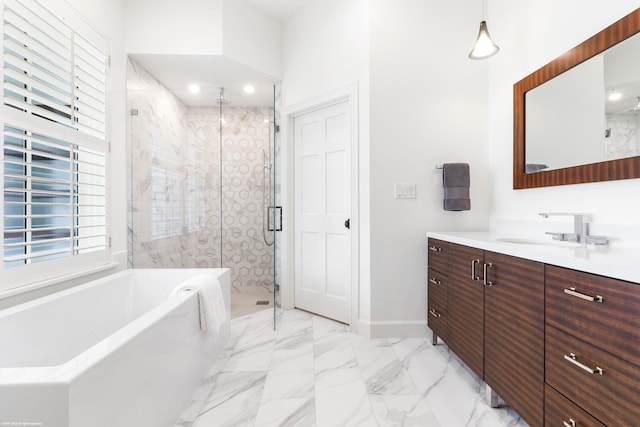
<point>60,294</point>
<point>57,280</point>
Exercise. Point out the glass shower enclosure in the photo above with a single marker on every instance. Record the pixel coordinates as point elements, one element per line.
<point>203,190</point>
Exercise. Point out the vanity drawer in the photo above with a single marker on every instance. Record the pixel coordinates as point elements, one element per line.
<point>612,396</point>
<point>438,288</point>
<point>438,255</point>
<point>560,411</point>
<point>572,301</point>
<point>437,320</point>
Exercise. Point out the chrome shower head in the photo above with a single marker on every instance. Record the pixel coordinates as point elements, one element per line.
<point>221,100</point>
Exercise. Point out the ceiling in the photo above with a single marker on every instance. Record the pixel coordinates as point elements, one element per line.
<point>211,72</point>
<point>629,100</point>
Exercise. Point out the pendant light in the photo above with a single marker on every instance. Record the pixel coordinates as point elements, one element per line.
<point>484,46</point>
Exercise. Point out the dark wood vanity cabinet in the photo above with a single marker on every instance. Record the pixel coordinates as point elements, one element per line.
<point>595,309</point>
<point>466,306</point>
<point>495,320</point>
<point>560,411</point>
<point>438,255</point>
<point>602,384</point>
<point>437,283</point>
<point>593,344</point>
<point>514,333</point>
<point>561,347</point>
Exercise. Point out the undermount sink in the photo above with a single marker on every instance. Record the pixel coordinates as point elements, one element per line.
<point>523,241</point>
<point>529,241</point>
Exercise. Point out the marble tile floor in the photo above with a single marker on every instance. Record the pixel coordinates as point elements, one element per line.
<point>312,371</point>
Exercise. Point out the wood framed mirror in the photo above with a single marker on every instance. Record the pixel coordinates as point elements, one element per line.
<point>531,174</point>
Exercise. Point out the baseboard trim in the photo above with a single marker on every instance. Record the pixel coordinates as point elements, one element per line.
<point>393,329</point>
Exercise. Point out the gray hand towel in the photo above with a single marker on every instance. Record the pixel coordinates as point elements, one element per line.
<point>534,167</point>
<point>456,181</point>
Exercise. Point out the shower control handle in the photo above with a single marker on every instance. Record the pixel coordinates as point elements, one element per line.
<point>347,224</point>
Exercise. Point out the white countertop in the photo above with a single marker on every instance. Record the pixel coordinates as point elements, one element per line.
<point>620,262</point>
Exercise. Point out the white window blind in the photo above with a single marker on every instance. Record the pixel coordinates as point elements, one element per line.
<point>54,151</point>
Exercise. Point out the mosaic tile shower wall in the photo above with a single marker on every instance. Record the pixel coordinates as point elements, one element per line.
<point>246,133</point>
<point>193,202</point>
<point>622,138</point>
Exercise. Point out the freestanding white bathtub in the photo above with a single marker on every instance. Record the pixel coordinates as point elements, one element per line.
<point>115,352</point>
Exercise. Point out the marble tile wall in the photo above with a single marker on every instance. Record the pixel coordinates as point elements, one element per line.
<point>246,136</point>
<point>624,140</point>
<point>196,200</point>
<point>156,155</point>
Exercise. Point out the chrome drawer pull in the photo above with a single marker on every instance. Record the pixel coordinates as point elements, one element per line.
<point>473,269</point>
<point>435,248</point>
<point>486,268</point>
<point>571,423</point>
<point>572,358</point>
<point>572,291</point>
<point>434,281</point>
<point>434,313</point>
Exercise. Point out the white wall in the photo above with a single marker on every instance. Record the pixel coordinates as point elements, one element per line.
<point>622,64</point>
<point>326,47</point>
<point>232,28</point>
<point>530,34</point>
<point>428,107</point>
<point>192,27</point>
<point>251,37</point>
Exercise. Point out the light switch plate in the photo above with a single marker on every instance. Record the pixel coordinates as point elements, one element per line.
<point>405,191</point>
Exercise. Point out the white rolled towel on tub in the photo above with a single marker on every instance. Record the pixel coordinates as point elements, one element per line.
<point>213,313</point>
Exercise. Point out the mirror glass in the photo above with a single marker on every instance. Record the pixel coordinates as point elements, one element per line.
<point>566,127</point>
<point>588,114</point>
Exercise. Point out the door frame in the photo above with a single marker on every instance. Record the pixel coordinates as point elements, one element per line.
<point>348,94</point>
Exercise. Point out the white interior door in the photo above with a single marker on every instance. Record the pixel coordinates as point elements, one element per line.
<point>323,200</point>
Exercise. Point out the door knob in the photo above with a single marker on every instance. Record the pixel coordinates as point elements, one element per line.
<point>347,223</point>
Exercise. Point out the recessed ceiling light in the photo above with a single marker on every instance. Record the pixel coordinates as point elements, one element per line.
<point>615,96</point>
<point>194,88</point>
<point>249,89</point>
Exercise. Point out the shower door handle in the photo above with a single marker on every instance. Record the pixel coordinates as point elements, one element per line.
<point>347,224</point>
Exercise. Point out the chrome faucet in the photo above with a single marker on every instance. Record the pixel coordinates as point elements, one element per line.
<point>579,227</point>
<point>580,230</point>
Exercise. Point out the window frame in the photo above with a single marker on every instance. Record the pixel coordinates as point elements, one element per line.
<point>17,279</point>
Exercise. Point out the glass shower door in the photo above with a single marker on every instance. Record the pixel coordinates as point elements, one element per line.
<point>247,193</point>
<point>203,189</point>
